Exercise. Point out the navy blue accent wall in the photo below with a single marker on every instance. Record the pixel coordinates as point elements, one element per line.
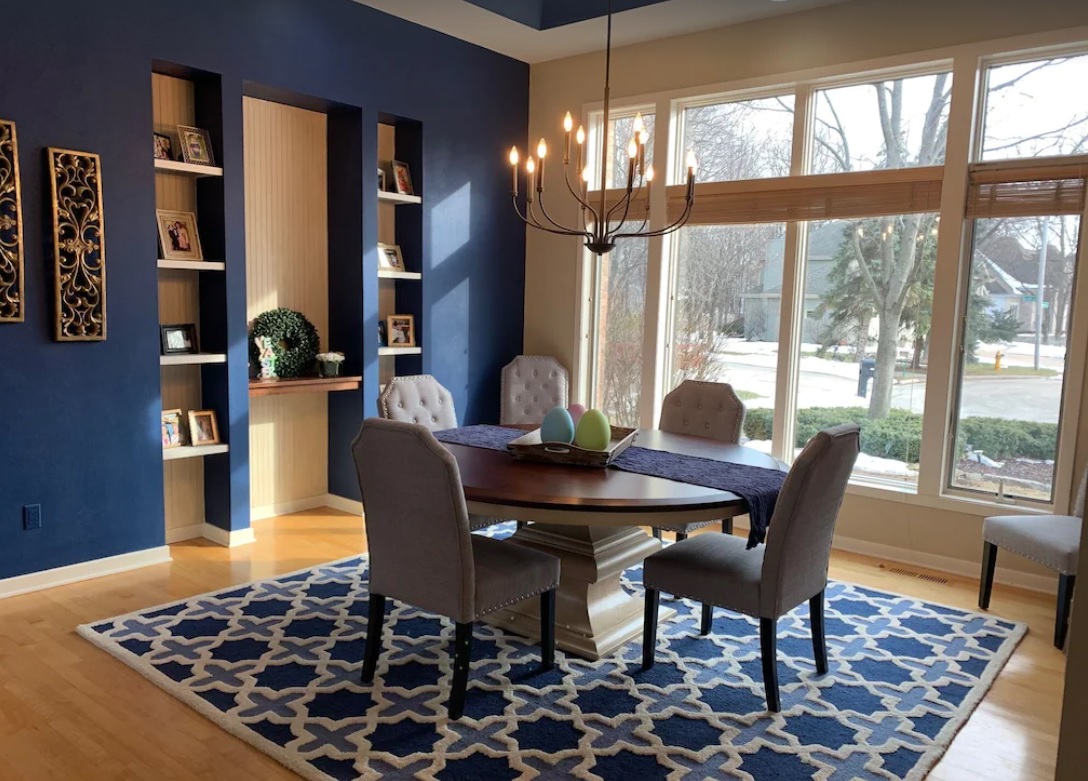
<point>79,425</point>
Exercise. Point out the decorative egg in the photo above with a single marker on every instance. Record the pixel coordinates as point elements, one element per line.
<point>557,426</point>
<point>576,412</point>
<point>593,432</point>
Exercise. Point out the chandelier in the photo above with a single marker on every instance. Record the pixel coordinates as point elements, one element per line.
<point>601,224</point>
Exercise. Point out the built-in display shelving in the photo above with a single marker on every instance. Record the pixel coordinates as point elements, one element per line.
<point>400,351</point>
<point>190,451</point>
<point>397,198</point>
<point>280,387</point>
<point>385,273</point>
<point>192,359</point>
<point>192,265</point>
<point>179,168</point>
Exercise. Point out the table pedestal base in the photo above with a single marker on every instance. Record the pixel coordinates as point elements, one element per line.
<point>594,615</point>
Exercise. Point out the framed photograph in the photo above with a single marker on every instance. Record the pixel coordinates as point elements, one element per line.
<point>172,429</point>
<point>383,336</point>
<point>178,339</point>
<point>164,147</point>
<point>383,185</point>
<point>203,428</point>
<point>401,330</point>
<point>402,178</point>
<point>196,145</point>
<point>390,257</point>
<point>178,236</point>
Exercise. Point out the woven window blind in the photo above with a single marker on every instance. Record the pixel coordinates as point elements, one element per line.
<point>1027,188</point>
<point>818,197</point>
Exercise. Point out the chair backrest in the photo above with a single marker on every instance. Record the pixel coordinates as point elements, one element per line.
<point>704,409</point>
<point>418,399</point>
<point>799,539</point>
<point>532,385</point>
<point>416,521</point>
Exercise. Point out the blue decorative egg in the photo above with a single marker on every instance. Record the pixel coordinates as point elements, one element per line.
<point>557,426</point>
<point>594,431</point>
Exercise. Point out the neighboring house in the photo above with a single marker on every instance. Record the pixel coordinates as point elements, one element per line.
<point>1005,292</point>
<point>763,307</point>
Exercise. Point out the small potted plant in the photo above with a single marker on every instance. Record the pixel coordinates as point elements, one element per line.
<point>328,364</point>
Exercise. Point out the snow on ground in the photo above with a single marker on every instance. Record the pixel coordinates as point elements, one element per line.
<point>866,464</point>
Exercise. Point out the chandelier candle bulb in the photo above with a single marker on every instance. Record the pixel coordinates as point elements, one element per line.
<point>541,153</point>
<point>514,157</point>
<point>530,170</point>
<point>568,126</point>
<point>581,139</point>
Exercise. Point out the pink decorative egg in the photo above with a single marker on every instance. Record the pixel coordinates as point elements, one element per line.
<point>576,412</point>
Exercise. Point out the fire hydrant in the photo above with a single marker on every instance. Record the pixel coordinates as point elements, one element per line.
<point>997,361</point>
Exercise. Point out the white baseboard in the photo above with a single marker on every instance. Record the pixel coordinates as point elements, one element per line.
<point>228,539</point>
<point>343,504</point>
<point>286,508</point>
<point>954,566</point>
<point>87,570</point>
<point>183,533</point>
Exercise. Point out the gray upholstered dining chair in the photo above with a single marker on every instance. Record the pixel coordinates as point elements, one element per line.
<point>702,409</point>
<point>531,386</point>
<point>422,553</point>
<point>422,399</point>
<point>771,580</point>
<point>1050,540</point>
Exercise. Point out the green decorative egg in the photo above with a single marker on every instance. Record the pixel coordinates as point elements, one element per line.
<point>557,426</point>
<point>593,432</point>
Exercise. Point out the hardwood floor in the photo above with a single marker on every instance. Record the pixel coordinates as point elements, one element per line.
<point>70,711</point>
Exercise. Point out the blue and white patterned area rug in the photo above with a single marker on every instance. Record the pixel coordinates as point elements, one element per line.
<point>277,664</point>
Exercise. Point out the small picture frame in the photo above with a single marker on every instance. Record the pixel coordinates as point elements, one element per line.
<point>196,145</point>
<point>383,334</point>
<point>172,429</point>
<point>401,330</point>
<point>383,185</point>
<point>390,257</point>
<point>203,428</point>
<point>402,178</point>
<point>164,147</point>
<point>178,339</point>
<point>178,235</point>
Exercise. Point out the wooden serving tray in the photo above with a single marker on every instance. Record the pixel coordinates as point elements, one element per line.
<point>531,448</point>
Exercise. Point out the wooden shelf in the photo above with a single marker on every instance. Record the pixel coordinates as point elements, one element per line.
<point>303,385</point>
<point>192,265</point>
<point>187,169</point>
<point>189,451</point>
<point>400,351</point>
<point>398,199</point>
<point>384,273</point>
<point>192,359</point>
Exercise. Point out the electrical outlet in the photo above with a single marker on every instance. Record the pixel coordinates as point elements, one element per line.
<point>32,517</point>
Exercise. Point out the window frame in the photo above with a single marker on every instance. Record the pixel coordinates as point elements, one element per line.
<point>968,65</point>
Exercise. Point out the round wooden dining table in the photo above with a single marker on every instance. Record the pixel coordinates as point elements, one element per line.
<point>589,518</point>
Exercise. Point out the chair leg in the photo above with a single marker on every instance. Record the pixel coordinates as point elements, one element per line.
<point>986,582</point>
<point>768,641</point>
<point>657,533</point>
<point>649,628</point>
<point>727,525</point>
<point>547,630</point>
<point>1065,604</point>
<point>375,623</point>
<point>681,536</point>
<point>462,655</point>
<point>819,638</point>
<point>521,525</point>
<point>708,619</point>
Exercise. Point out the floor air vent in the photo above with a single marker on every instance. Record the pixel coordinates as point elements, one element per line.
<point>913,574</point>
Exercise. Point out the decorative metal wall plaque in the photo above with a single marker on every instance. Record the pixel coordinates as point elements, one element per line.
<point>11,227</point>
<point>79,245</point>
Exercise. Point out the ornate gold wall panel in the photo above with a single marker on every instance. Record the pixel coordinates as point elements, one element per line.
<point>79,246</point>
<point>11,227</point>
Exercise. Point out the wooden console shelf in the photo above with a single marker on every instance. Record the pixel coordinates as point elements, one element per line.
<point>303,385</point>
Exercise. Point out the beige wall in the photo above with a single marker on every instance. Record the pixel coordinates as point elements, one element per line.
<point>287,257</point>
<point>841,34</point>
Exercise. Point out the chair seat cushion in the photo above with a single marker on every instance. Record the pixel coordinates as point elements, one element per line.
<point>714,568</point>
<point>507,573</point>
<point>1050,540</point>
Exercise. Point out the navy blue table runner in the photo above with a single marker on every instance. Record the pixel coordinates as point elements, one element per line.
<point>757,486</point>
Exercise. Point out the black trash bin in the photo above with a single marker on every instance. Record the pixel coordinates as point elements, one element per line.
<point>866,372</point>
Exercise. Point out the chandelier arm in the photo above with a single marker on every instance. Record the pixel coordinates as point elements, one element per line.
<point>563,228</point>
<point>532,222</point>
<point>680,222</point>
<point>573,189</point>
<point>626,208</point>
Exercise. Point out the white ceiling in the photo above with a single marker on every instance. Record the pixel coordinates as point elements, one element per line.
<point>673,17</point>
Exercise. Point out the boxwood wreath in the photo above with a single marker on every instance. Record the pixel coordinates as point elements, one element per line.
<point>294,340</point>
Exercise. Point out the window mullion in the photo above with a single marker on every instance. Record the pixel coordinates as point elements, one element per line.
<point>949,299</point>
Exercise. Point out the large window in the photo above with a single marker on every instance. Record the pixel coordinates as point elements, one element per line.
<point>1015,356</point>
<point>865,331</point>
<point>726,310</point>
<point>622,128</point>
<point>746,139</point>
